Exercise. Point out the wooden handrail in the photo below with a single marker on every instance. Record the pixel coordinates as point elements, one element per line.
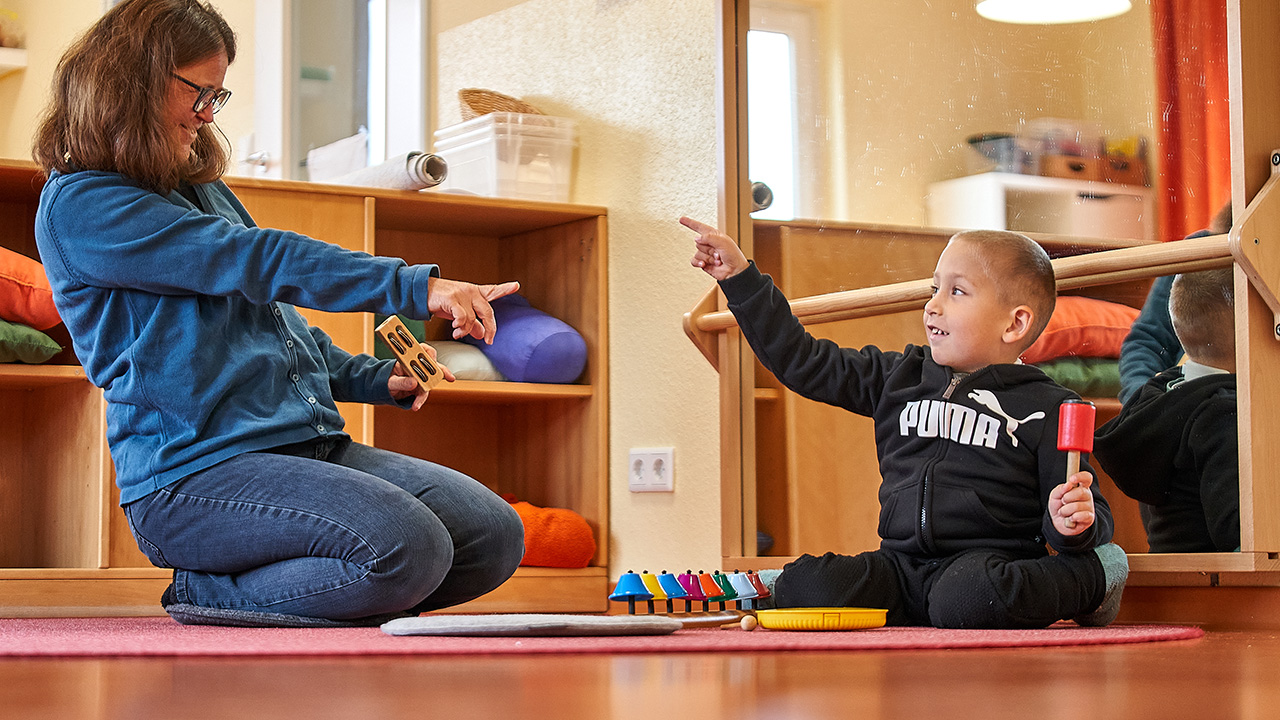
<point>1100,268</point>
<point>1077,271</point>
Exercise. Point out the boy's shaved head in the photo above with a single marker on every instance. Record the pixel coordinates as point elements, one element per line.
<point>1202,308</point>
<point>1021,270</point>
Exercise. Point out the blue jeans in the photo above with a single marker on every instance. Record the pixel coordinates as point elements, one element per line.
<point>331,529</point>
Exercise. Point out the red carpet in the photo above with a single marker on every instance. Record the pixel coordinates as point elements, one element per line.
<point>103,637</point>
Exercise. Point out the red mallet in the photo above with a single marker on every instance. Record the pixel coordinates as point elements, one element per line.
<point>1075,435</point>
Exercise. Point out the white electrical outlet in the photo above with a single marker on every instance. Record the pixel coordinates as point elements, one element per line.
<point>651,470</point>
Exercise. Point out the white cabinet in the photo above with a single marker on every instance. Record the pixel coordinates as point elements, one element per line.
<point>1031,203</point>
<point>12,60</point>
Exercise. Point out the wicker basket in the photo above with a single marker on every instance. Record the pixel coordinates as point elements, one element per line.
<point>476,102</point>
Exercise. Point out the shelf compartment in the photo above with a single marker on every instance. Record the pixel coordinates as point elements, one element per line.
<point>563,590</point>
<point>52,469</point>
<point>540,453</point>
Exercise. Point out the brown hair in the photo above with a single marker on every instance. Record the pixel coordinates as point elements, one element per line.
<point>1201,305</point>
<point>1221,222</point>
<point>110,88</point>
<point>1021,270</point>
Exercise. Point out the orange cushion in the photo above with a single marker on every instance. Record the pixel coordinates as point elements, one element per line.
<point>1082,327</point>
<point>25,295</point>
<point>555,537</point>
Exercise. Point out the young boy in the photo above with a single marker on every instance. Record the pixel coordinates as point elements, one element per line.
<point>973,485</point>
<point>1173,445</point>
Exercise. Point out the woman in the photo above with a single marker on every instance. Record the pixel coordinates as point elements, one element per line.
<point>229,451</point>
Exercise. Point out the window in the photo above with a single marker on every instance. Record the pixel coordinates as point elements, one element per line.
<point>780,105</point>
<point>326,70</point>
<point>772,144</point>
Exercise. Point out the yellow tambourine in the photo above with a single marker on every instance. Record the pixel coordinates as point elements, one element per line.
<point>821,618</point>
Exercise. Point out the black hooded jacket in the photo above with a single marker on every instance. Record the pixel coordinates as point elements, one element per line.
<point>966,461</point>
<point>1173,447</point>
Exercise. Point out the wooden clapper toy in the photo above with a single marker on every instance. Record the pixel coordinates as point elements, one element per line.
<point>409,353</point>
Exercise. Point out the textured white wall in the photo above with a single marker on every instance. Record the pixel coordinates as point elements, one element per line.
<point>23,93</point>
<point>639,76</point>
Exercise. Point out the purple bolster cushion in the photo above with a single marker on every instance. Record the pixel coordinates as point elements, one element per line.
<point>532,346</point>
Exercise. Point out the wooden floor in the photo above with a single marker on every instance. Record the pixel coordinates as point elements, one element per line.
<point>1223,675</point>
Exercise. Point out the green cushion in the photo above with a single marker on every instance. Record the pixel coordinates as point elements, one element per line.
<point>1090,377</point>
<point>417,327</point>
<point>19,343</point>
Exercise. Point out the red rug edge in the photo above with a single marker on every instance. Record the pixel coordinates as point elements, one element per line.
<point>155,637</point>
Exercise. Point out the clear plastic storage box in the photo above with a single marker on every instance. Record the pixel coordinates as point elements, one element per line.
<point>514,155</point>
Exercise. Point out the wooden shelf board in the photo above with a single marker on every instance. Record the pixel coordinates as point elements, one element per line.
<point>123,573</point>
<point>505,393</point>
<point>29,376</point>
<point>82,592</point>
<point>771,394</point>
<point>442,212</point>
<point>1152,570</point>
<point>19,179</point>
<point>86,592</point>
<point>1203,562</point>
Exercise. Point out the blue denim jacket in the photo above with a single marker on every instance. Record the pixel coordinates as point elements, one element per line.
<point>185,319</point>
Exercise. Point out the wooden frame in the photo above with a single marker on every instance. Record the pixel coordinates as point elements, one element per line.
<point>1255,103</point>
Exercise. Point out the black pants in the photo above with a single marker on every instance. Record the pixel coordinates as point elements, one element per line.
<point>973,589</point>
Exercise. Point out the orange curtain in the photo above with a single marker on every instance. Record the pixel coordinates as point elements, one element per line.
<point>1194,163</point>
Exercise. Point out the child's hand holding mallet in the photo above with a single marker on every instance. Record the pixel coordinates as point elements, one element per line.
<point>1075,435</point>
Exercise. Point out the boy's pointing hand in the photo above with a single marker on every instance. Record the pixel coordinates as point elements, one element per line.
<point>716,253</point>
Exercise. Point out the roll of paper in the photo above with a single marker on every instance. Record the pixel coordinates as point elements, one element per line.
<point>410,171</point>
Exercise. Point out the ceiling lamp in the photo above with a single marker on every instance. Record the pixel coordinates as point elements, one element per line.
<point>1051,12</point>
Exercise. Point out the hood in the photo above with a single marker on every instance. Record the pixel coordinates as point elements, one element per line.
<point>1140,447</point>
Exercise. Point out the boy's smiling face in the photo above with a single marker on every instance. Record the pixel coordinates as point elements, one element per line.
<point>968,322</point>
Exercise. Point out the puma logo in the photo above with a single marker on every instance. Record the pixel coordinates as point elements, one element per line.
<point>988,399</point>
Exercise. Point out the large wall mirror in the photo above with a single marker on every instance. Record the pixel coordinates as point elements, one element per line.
<point>882,126</point>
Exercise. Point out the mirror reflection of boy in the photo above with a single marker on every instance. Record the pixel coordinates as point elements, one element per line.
<point>973,484</point>
<point>1173,447</point>
<point>1152,346</point>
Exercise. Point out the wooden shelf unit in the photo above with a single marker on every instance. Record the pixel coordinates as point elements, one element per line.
<point>65,548</point>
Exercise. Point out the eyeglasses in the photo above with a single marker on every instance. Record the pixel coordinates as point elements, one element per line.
<point>208,96</point>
